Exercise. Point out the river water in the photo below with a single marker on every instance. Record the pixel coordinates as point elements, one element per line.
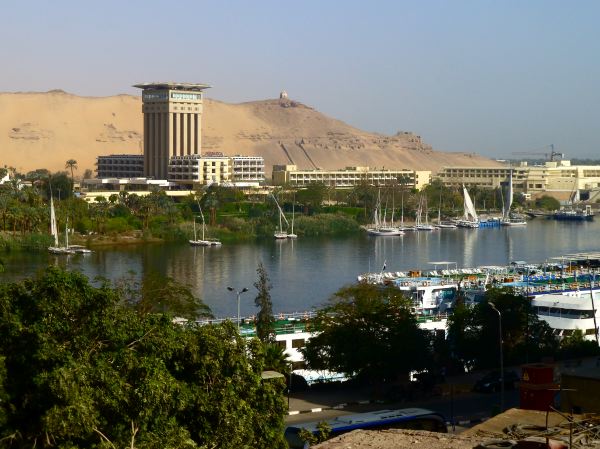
<point>305,272</point>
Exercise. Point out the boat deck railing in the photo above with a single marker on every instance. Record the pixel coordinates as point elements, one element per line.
<point>285,323</point>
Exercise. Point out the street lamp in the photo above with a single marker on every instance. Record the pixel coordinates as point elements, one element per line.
<point>238,293</point>
<point>493,306</point>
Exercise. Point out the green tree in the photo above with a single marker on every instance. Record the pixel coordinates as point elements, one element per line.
<point>368,331</point>
<point>323,434</point>
<point>547,203</point>
<point>312,197</point>
<point>72,165</point>
<point>472,331</point>
<point>59,185</point>
<point>575,345</point>
<point>78,369</point>
<point>157,293</point>
<point>264,320</point>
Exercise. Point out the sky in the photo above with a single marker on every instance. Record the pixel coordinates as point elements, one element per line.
<point>490,77</point>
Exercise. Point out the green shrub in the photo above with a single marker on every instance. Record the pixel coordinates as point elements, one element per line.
<point>116,225</point>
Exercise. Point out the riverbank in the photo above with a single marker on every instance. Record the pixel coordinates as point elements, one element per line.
<point>231,230</point>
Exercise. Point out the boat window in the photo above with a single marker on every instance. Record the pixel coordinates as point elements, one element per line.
<point>281,343</point>
<point>298,343</point>
<point>590,332</point>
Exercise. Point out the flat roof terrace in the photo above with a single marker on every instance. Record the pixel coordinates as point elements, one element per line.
<point>173,86</point>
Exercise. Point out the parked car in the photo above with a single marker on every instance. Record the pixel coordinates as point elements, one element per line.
<point>491,382</point>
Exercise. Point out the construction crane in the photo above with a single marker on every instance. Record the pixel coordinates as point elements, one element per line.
<point>551,156</point>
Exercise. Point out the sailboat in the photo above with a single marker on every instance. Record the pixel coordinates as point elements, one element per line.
<point>203,241</point>
<point>423,226</point>
<point>470,220</point>
<point>380,227</point>
<point>291,235</point>
<point>506,218</point>
<point>57,249</point>
<point>280,234</point>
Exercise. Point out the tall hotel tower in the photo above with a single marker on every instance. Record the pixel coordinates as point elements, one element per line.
<point>172,123</point>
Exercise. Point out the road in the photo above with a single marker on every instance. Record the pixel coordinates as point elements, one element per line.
<point>462,407</point>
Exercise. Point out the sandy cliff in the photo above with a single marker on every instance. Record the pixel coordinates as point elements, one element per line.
<point>43,130</point>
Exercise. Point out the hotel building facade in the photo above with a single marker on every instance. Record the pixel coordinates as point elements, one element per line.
<point>172,123</point>
<point>559,179</point>
<point>349,177</point>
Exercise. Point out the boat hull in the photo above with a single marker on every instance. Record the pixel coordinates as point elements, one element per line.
<point>205,242</point>
<point>385,232</point>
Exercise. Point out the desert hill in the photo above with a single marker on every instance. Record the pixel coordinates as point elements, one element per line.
<point>44,130</point>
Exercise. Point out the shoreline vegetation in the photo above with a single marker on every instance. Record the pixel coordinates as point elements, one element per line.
<point>232,231</point>
<point>231,215</point>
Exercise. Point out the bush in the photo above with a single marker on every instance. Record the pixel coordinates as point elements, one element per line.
<point>116,225</point>
<point>547,203</point>
<point>325,224</point>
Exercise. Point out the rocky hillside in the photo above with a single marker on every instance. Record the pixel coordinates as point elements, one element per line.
<point>43,130</point>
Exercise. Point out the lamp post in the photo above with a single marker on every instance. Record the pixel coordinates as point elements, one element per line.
<point>493,306</point>
<point>238,293</point>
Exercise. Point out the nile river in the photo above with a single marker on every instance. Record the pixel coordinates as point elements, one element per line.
<point>305,272</point>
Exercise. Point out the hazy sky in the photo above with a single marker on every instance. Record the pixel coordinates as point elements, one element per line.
<point>491,77</point>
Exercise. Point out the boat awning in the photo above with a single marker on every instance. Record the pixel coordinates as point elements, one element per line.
<point>271,375</point>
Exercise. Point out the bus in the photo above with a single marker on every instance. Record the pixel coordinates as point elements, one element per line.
<point>406,418</point>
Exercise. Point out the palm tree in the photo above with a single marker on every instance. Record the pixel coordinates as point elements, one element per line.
<point>72,164</point>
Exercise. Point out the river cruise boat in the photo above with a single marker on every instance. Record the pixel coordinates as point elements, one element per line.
<point>574,214</point>
<point>571,283</point>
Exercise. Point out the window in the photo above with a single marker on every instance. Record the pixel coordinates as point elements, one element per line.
<point>298,343</point>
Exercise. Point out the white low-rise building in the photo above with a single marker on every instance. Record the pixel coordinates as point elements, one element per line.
<point>350,177</point>
<point>216,168</point>
<point>556,178</point>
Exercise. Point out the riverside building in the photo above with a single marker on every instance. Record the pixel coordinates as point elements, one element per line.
<point>350,177</point>
<point>559,179</point>
<point>120,166</point>
<point>216,168</point>
<point>172,124</point>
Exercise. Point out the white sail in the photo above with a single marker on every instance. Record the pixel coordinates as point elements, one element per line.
<point>469,208</point>
<point>509,197</point>
<point>203,223</point>
<point>280,234</point>
<point>377,223</point>
<point>53,228</point>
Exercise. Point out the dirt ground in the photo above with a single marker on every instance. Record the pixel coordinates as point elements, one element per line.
<point>399,439</point>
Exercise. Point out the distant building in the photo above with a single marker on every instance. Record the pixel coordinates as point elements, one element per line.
<point>212,168</point>
<point>349,177</point>
<point>172,124</point>
<point>559,179</point>
<point>216,168</point>
<point>120,166</point>
<point>248,171</point>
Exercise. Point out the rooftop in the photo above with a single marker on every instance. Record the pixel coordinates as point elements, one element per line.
<point>173,86</point>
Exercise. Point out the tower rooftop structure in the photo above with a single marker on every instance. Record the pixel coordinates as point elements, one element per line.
<point>173,86</point>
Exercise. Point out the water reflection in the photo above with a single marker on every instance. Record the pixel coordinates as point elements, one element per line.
<point>305,272</point>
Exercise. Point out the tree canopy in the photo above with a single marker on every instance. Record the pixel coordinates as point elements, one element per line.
<point>474,337</point>
<point>264,320</point>
<point>547,202</point>
<point>79,369</point>
<point>368,331</point>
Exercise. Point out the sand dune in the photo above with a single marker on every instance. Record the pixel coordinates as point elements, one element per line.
<point>43,130</point>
